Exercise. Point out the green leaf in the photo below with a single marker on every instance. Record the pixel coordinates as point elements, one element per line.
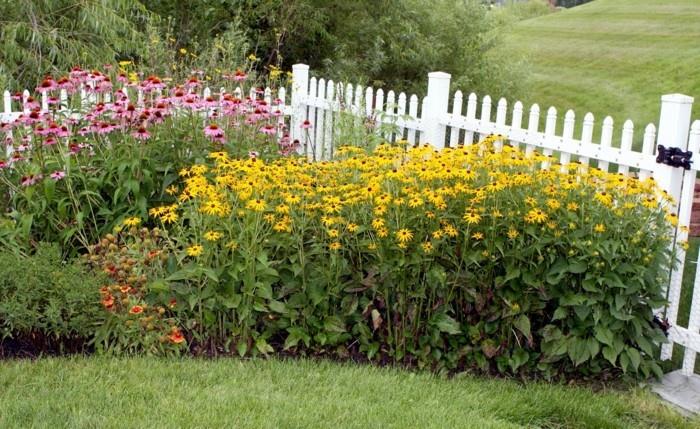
<point>263,347</point>
<point>577,267</point>
<point>560,313</point>
<point>446,324</point>
<point>610,354</point>
<point>604,335</point>
<point>263,290</point>
<point>334,324</point>
<point>159,286</point>
<point>277,306</point>
<point>634,356</point>
<point>578,350</point>
<point>242,348</point>
<point>522,324</point>
<point>296,334</point>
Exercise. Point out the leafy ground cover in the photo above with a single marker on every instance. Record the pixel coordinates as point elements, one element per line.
<point>611,57</point>
<point>99,392</point>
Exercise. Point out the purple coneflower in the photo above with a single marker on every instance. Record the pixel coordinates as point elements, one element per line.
<point>58,175</point>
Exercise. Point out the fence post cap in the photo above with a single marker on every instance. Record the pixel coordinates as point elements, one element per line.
<point>300,66</point>
<point>677,98</point>
<point>439,75</point>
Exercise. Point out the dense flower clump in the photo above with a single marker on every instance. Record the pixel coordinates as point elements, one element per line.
<point>468,256</point>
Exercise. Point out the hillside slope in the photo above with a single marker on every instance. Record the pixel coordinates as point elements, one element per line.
<point>612,57</point>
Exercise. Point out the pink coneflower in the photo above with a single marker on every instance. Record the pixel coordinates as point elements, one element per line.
<point>3,164</point>
<point>31,179</point>
<point>268,129</point>
<point>50,141</point>
<point>306,124</point>
<point>213,131</point>
<point>192,82</point>
<point>63,132</point>
<point>47,84</point>
<point>141,134</point>
<point>58,175</point>
<point>122,78</point>
<point>40,130</point>
<point>240,76</point>
<point>253,154</point>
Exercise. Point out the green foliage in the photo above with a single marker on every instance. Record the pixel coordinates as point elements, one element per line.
<point>47,303</point>
<point>47,36</point>
<point>460,259</point>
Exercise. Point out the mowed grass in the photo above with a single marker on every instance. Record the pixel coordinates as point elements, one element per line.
<point>158,393</point>
<point>611,57</point>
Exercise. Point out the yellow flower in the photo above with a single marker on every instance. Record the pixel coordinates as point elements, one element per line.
<point>169,217</point>
<point>427,247</point>
<point>513,233</point>
<point>684,244</point>
<point>536,216</point>
<point>172,190</point>
<point>572,206</point>
<point>333,233</point>
<point>599,228</point>
<point>256,205</point>
<point>124,63</point>
<point>195,250</point>
<point>404,235</point>
<point>478,236</point>
<point>672,218</point>
<point>183,51</point>
<point>132,221</point>
<point>382,232</point>
<point>335,245</point>
<point>212,235</point>
<point>352,227</point>
<point>471,217</point>
<point>232,245</point>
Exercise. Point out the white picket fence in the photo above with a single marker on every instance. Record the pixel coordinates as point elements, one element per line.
<point>434,120</point>
<point>442,124</point>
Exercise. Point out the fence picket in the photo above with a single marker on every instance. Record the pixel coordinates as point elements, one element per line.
<point>390,112</point>
<point>567,136</point>
<point>400,114</point>
<point>586,135</point>
<point>501,112</point>
<point>648,148</point>
<point>550,129</point>
<point>331,98</point>
<point>313,88</point>
<point>626,144</point>
<point>532,127</point>
<point>413,113</point>
<point>7,101</point>
<point>606,139</point>
<point>456,113</point>
<point>485,115</point>
<point>379,111</point>
<point>471,116</point>
<point>319,126</point>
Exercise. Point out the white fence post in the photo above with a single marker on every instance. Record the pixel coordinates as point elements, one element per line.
<point>674,126</point>
<point>300,91</point>
<point>694,320</point>
<point>438,99</point>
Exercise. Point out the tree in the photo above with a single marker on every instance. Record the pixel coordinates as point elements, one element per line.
<point>50,36</point>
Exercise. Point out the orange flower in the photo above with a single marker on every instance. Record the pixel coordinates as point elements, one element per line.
<point>172,303</point>
<point>176,336</point>
<point>125,289</point>
<point>108,302</point>
<point>137,309</point>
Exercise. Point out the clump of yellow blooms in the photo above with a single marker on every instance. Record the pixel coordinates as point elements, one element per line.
<point>404,199</point>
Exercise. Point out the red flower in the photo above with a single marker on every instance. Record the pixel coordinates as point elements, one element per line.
<point>137,309</point>
<point>176,336</point>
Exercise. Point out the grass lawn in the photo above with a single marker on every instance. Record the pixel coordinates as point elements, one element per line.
<point>611,57</point>
<point>150,392</point>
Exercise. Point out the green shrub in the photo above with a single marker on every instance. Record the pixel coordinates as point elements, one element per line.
<point>45,304</point>
<point>464,258</point>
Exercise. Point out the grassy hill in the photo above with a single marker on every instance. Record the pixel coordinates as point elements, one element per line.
<point>612,57</point>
